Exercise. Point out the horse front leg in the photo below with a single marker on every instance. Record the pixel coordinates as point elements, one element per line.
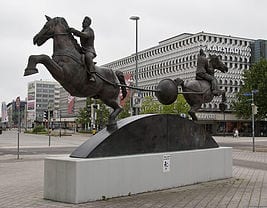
<point>50,64</point>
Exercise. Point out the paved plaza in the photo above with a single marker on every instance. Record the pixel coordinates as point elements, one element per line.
<point>21,180</point>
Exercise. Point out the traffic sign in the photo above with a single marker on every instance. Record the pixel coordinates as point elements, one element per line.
<point>255,91</point>
<point>247,94</point>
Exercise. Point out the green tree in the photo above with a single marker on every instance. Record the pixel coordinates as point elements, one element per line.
<point>126,111</point>
<point>150,105</point>
<point>178,107</point>
<point>102,114</point>
<point>254,79</point>
<point>83,117</point>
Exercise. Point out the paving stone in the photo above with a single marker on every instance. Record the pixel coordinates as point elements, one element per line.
<point>21,185</point>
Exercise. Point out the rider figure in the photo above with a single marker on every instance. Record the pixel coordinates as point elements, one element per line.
<point>87,38</point>
<point>204,72</point>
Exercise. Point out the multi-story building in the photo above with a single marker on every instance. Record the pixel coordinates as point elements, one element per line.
<point>41,96</point>
<point>69,107</point>
<point>16,115</point>
<point>259,50</point>
<point>177,57</point>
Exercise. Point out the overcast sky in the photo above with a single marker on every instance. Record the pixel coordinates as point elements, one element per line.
<point>20,20</point>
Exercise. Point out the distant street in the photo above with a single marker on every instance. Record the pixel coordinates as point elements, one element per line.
<point>243,143</point>
<point>31,144</point>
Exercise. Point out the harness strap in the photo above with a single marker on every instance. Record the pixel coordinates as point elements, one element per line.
<point>104,79</point>
<point>70,55</point>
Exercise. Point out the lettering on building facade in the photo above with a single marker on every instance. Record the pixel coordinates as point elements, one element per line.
<point>204,116</point>
<point>243,51</point>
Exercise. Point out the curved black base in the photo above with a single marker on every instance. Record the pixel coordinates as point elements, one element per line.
<point>150,133</point>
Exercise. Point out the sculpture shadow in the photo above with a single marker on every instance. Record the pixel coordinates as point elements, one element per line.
<point>148,133</point>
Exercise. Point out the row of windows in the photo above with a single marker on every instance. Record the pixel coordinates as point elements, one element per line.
<point>45,90</point>
<point>230,89</point>
<point>45,86</point>
<point>214,106</point>
<point>174,63</point>
<point>43,100</point>
<point>194,57</point>
<point>182,43</point>
<point>230,82</point>
<point>225,40</point>
<point>154,71</point>
<point>45,95</point>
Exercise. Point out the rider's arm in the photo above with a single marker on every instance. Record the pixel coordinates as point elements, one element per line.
<point>78,33</point>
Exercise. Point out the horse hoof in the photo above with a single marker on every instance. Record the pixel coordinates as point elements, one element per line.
<point>112,127</point>
<point>30,71</point>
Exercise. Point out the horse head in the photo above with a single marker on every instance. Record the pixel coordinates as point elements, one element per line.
<point>53,26</point>
<point>216,63</point>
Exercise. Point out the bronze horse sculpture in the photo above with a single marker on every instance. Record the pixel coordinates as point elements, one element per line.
<point>68,68</point>
<point>197,92</point>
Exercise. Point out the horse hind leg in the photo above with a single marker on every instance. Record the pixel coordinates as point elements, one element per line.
<point>112,123</point>
<point>193,115</point>
<point>193,110</point>
<point>121,78</point>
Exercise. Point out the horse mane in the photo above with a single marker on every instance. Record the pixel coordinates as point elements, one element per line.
<point>73,40</point>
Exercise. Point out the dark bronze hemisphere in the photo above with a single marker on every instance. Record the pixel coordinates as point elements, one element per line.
<point>166,91</point>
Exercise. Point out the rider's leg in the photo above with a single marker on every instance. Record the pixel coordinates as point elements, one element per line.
<point>215,89</point>
<point>89,65</point>
<point>89,62</point>
<point>214,84</point>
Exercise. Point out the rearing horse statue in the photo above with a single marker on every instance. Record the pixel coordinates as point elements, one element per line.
<point>68,68</point>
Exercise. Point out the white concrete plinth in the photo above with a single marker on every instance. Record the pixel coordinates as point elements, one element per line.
<point>76,180</point>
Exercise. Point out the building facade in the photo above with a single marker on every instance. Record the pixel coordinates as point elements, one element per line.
<point>16,115</point>
<point>69,108</point>
<point>177,57</point>
<point>259,50</point>
<point>41,96</point>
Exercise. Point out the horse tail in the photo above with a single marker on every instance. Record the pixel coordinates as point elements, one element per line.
<point>120,76</point>
<point>179,81</point>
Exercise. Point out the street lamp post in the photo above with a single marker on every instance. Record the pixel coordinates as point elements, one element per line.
<point>131,97</point>
<point>18,110</point>
<point>49,107</point>
<point>60,123</point>
<point>136,18</point>
<point>253,113</point>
